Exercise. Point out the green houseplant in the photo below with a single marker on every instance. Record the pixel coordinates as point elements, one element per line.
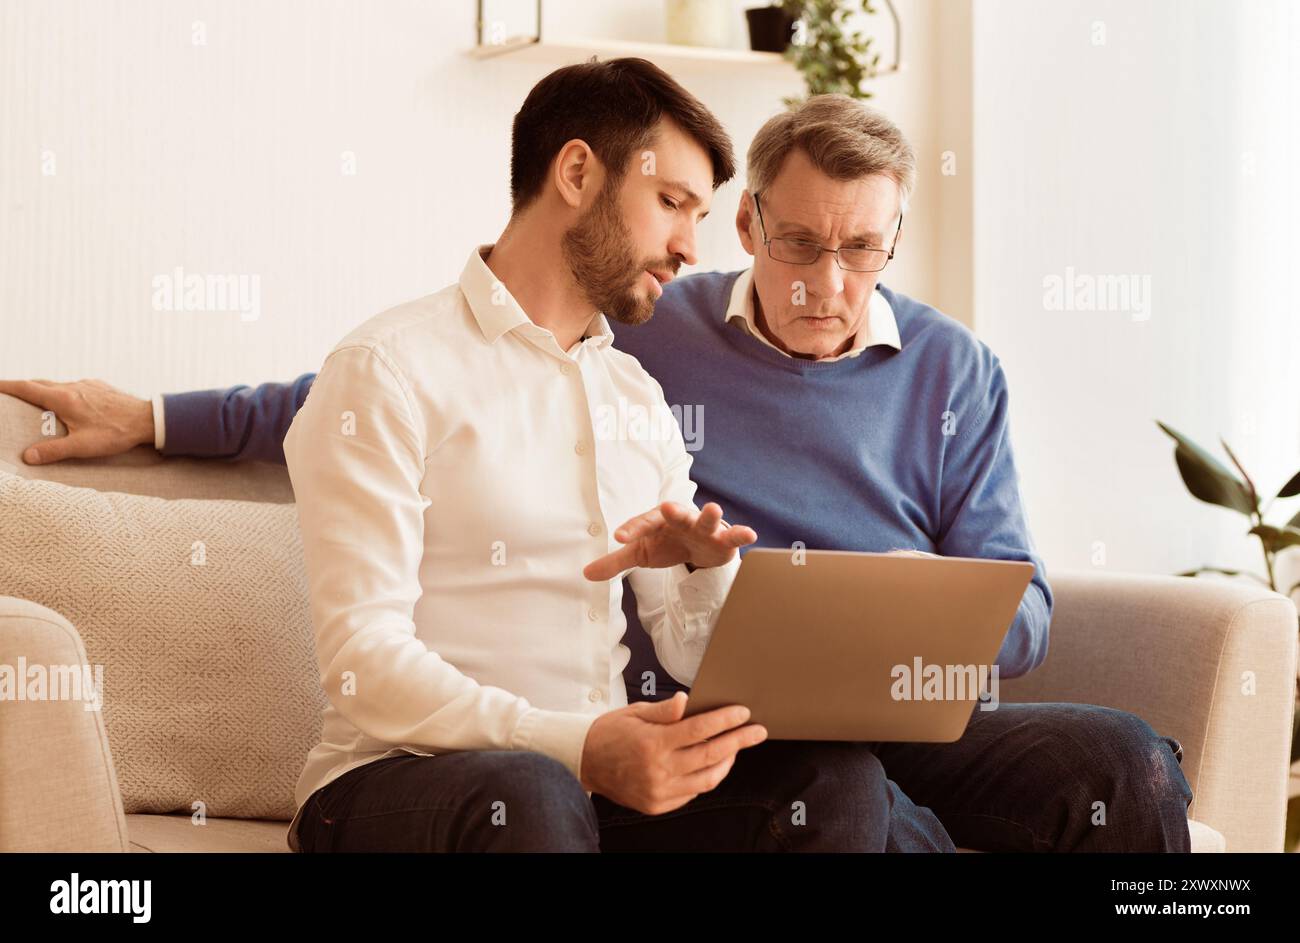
<point>830,54</point>
<point>1209,480</point>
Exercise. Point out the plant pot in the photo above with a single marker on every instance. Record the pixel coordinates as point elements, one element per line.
<point>697,22</point>
<point>1286,573</point>
<point>770,29</point>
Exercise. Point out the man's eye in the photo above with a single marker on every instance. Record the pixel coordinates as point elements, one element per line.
<point>672,205</point>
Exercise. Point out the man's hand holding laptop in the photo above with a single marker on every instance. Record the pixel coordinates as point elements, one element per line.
<point>645,756</point>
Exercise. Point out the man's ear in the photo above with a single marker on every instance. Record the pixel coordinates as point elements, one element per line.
<point>745,221</point>
<point>577,173</point>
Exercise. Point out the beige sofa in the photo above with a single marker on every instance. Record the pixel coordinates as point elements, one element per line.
<point>1171,650</point>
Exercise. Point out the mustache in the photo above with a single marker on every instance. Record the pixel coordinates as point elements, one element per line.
<point>666,265</point>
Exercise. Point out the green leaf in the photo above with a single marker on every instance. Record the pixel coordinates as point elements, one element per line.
<point>1291,488</point>
<point>1221,570</point>
<point>1277,538</point>
<point>1209,569</point>
<point>1250,485</point>
<point>1206,477</point>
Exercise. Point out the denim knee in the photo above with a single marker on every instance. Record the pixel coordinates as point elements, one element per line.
<point>834,797</point>
<point>1127,791</point>
<point>526,801</point>
<point>1147,761</point>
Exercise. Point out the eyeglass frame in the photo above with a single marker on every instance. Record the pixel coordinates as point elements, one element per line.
<point>767,241</point>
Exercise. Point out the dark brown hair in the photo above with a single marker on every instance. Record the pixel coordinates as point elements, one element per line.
<point>615,107</point>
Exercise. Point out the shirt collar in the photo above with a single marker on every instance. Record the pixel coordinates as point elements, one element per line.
<point>497,312</point>
<point>879,326</point>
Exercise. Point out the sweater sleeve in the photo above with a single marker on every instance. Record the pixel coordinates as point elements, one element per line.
<point>239,423</point>
<point>982,514</point>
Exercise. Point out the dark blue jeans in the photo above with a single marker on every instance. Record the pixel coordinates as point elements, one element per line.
<point>1024,777</point>
<point>782,795</point>
<point>1049,777</point>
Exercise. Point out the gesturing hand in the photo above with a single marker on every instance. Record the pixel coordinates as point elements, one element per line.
<point>671,534</point>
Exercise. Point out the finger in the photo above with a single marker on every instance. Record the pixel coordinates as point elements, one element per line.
<point>701,727</point>
<point>711,752</point>
<point>710,778</point>
<point>707,779</point>
<point>667,711</point>
<point>31,391</point>
<point>56,450</point>
<point>611,564</point>
<point>708,520</point>
<point>684,787</point>
<point>678,516</point>
<point>639,526</point>
<point>738,536</point>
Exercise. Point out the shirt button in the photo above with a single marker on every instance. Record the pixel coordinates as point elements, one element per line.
<point>594,529</point>
<point>593,615</point>
<point>566,369</point>
<point>593,695</point>
<point>580,448</point>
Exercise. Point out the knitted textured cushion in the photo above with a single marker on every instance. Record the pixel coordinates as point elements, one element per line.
<point>198,612</point>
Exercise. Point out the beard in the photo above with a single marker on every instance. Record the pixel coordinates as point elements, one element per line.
<point>602,258</point>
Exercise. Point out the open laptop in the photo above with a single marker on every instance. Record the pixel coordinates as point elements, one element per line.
<point>838,645</point>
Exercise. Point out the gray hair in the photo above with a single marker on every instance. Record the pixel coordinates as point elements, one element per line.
<point>843,138</point>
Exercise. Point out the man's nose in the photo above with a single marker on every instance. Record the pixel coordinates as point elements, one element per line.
<point>824,277</point>
<point>682,244</point>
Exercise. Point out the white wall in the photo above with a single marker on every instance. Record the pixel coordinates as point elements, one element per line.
<point>1169,151</point>
<point>226,158</point>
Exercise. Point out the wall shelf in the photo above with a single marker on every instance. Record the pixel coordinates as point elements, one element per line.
<point>575,49</point>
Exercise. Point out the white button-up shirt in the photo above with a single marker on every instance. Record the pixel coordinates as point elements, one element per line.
<point>455,470</point>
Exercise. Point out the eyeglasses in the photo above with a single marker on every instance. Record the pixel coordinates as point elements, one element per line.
<point>803,252</point>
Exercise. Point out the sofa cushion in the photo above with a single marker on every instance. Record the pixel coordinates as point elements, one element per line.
<point>198,612</point>
<point>181,833</point>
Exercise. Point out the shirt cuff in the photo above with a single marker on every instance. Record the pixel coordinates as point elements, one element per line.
<point>701,594</point>
<point>159,425</point>
<point>560,735</point>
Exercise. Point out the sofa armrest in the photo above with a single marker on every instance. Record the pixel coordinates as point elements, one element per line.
<point>58,788</point>
<point>1209,662</point>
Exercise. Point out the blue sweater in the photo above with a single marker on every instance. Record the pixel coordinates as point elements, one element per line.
<point>906,448</point>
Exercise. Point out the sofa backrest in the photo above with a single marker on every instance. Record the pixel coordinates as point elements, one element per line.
<point>140,471</point>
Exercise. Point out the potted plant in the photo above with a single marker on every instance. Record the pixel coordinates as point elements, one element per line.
<point>1209,480</point>
<point>831,54</point>
<point>770,28</point>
